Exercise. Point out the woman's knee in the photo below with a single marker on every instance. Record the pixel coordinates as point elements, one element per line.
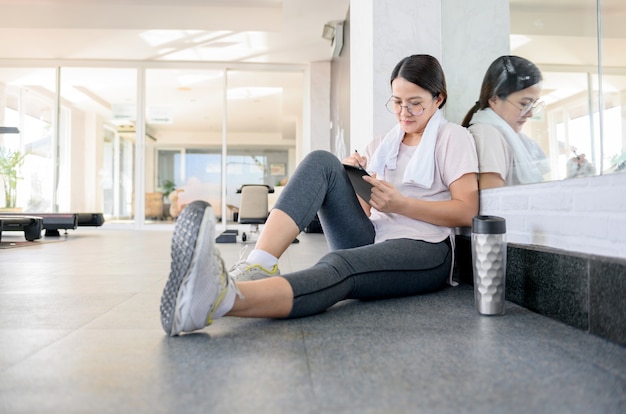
<point>334,261</point>
<point>321,158</point>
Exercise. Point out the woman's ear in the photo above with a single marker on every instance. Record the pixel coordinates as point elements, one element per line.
<point>492,101</point>
<point>439,100</point>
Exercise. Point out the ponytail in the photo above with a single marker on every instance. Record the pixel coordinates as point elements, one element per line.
<point>470,114</point>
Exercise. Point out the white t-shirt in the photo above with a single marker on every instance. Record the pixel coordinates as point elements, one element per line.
<point>495,155</point>
<point>455,156</point>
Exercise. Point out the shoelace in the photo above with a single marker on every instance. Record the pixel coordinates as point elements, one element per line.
<point>243,255</point>
<point>230,278</point>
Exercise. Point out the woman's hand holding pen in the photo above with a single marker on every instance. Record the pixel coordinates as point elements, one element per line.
<point>385,196</point>
<point>356,160</point>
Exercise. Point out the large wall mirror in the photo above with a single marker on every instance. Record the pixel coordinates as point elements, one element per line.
<point>579,47</point>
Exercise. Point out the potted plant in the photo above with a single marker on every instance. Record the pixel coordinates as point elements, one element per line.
<point>618,162</point>
<point>10,163</point>
<point>168,186</point>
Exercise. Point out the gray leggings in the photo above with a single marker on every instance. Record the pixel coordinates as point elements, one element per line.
<point>355,268</point>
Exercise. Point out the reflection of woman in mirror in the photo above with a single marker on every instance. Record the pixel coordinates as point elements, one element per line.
<point>509,96</point>
<point>579,166</point>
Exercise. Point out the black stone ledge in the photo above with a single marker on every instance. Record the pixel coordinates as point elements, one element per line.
<point>581,290</point>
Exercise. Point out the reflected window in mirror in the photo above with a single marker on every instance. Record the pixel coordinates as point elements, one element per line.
<point>581,140</point>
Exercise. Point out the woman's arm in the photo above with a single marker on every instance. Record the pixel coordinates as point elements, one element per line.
<point>494,155</point>
<point>490,180</point>
<point>456,212</point>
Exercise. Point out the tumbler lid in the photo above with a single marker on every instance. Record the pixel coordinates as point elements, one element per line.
<point>488,225</point>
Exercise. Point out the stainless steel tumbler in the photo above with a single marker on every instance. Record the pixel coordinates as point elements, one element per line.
<point>489,263</point>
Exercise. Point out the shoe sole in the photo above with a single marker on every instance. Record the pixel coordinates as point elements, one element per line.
<point>187,245</point>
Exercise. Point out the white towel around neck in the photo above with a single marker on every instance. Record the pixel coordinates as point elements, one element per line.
<point>526,168</point>
<point>421,168</point>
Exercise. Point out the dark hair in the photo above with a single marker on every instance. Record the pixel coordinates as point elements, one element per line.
<point>507,74</point>
<point>425,72</point>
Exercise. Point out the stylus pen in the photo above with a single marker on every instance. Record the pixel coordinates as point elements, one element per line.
<point>357,153</point>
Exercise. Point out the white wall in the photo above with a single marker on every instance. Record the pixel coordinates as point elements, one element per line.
<point>584,215</point>
<point>319,78</point>
<point>474,33</point>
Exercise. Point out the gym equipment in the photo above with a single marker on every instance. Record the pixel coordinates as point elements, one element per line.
<point>31,226</point>
<point>228,236</point>
<point>253,209</point>
<point>90,219</point>
<point>53,222</point>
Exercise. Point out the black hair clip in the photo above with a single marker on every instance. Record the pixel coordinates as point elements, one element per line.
<point>508,66</point>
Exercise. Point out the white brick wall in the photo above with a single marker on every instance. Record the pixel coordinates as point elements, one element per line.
<point>585,215</point>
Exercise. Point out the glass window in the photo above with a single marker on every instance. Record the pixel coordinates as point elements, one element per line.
<point>81,155</point>
<point>201,169</point>
<point>184,112</point>
<point>264,110</point>
<point>27,98</point>
<point>97,158</point>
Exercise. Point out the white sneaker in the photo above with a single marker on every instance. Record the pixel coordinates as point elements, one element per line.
<point>243,270</point>
<point>197,283</point>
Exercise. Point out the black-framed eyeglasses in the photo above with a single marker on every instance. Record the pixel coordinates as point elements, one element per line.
<point>415,109</point>
<point>534,106</point>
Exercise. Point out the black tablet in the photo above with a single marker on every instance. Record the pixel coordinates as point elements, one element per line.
<point>361,187</point>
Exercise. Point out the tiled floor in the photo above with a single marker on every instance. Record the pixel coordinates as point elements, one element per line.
<point>80,333</point>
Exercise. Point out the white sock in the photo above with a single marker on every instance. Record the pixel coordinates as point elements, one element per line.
<point>262,258</point>
<point>227,303</point>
